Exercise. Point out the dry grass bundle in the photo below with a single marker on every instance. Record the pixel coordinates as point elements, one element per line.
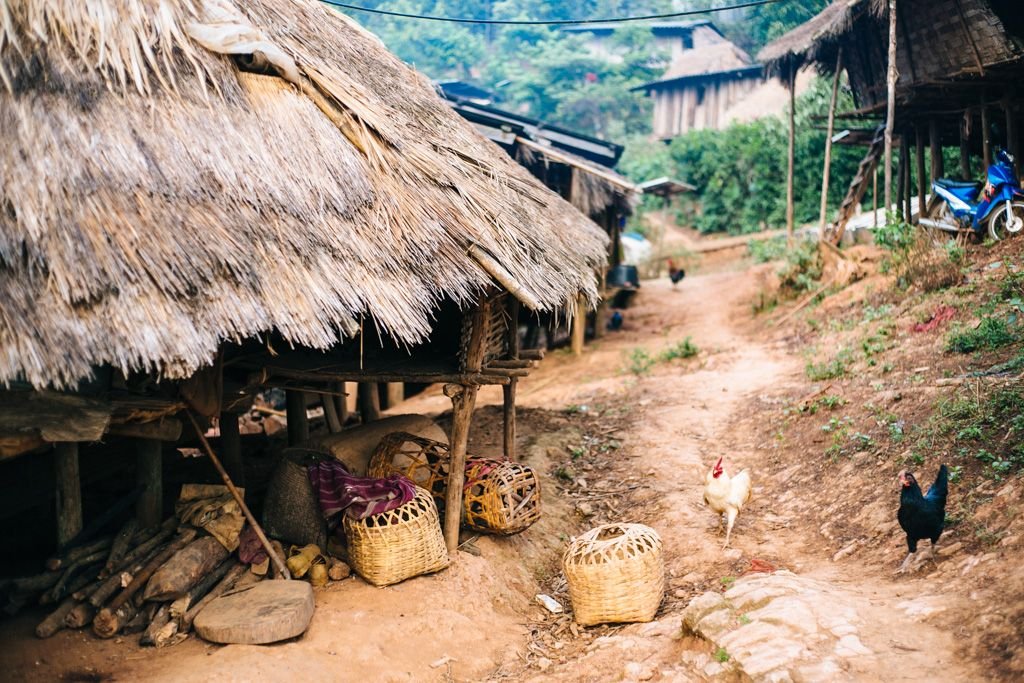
<point>615,574</point>
<point>157,200</point>
<point>398,544</point>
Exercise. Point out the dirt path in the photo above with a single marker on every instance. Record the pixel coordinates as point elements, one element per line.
<point>692,412</point>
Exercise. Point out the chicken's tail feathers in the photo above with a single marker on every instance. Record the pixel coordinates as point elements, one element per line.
<point>940,487</point>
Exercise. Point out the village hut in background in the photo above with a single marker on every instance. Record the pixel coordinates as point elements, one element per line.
<point>958,64</point>
<point>199,201</point>
<point>578,167</point>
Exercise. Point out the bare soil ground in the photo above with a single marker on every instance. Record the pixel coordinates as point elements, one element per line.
<point>619,445</point>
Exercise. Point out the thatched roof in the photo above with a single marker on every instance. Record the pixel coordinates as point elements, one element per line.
<point>800,43</point>
<point>157,200</point>
<point>707,61</point>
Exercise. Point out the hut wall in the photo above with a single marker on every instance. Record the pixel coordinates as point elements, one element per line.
<point>697,104</point>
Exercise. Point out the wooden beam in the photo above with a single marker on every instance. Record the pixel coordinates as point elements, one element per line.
<point>369,402</point>
<point>69,491</point>
<point>922,186</point>
<point>231,446</point>
<point>164,429</point>
<point>463,402</point>
<point>790,152</point>
<point>828,143</point>
<point>890,104</point>
<point>298,422</point>
<point>935,146</point>
<point>149,476</point>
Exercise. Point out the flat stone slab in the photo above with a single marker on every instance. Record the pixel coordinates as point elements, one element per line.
<point>778,627</point>
<point>267,612</point>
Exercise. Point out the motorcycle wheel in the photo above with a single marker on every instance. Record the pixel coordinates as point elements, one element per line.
<point>999,228</point>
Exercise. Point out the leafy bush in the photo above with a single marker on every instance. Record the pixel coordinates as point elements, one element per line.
<point>834,368</point>
<point>991,333</point>
<point>764,251</point>
<point>684,349</point>
<point>802,268</point>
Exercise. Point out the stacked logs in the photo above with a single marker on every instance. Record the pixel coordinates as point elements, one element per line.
<point>148,581</point>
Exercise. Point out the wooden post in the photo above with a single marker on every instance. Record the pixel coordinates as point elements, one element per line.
<point>986,142</point>
<point>231,447</point>
<point>509,391</point>
<point>965,153</point>
<point>1011,131</point>
<point>463,402</point>
<point>901,169</point>
<point>579,326</point>
<point>905,153</point>
<point>298,423</point>
<point>890,104</point>
<point>69,491</point>
<point>922,186</point>
<point>828,143</point>
<point>342,401</point>
<point>874,195</point>
<point>149,476</point>
<point>790,154</point>
<point>369,402</point>
<point>935,144</point>
<point>330,413</point>
<point>395,393</point>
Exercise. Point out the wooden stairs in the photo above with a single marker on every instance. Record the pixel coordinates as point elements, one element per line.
<point>859,184</point>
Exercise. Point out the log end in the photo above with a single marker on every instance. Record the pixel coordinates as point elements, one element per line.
<point>104,624</point>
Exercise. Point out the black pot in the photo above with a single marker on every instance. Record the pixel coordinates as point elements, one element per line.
<point>623,276</point>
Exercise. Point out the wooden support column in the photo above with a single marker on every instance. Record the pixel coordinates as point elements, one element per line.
<point>463,402</point>
<point>330,413</point>
<point>149,476</point>
<point>396,393</point>
<point>369,402</point>
<point>509,390</point>
<point>341,400</point>
<point>790,152</point>
<point>922,180</point>
<point>890,104</point>
<point>986,138</point>
<point>935,145</point>
<point>828,143</point>
<point>905,153</point>
<point>965,154</point>
<point>579,326</point>
<point>69,491</point>
<point>298,423</point>
<point>1012,140</point>
<point>874,195</point>
<point>231,448</point>
<point>901,181</point>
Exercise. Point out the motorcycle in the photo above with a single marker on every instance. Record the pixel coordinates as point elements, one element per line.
<point>996,206</point>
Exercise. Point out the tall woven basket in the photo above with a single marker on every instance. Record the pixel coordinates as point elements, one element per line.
<point>615,573</point>
<point>399,544</point>
<point>501,497</point>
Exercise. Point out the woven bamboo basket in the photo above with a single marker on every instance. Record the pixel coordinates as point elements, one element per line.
<point>501,497</point>
<point>399,544</point>
<point>615,574</point>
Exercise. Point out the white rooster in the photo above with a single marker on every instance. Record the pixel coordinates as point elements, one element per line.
<point>726,495</point>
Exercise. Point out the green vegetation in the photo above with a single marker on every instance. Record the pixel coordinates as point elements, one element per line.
<point>988,426</point>
<point>721,655</point>
<point>683,349</point>
<point>991,333</point>
<point>832,369</point>
<point>640,362</point>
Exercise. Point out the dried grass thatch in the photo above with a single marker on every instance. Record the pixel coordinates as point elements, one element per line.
<point>156,199</point>
<point>801,44</point>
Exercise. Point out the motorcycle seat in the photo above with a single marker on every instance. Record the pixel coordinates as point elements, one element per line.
<point>950,184</point>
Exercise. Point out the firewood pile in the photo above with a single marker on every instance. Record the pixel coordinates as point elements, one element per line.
<point>151,582</point>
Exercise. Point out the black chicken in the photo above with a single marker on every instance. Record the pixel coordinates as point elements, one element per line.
<point>922,516</point>
<point>675,274</point>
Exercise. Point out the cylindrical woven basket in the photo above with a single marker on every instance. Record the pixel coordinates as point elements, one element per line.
<point>501,497</point>
<point>291,511</point>
<point>615,574</point>
<point>396,545</point>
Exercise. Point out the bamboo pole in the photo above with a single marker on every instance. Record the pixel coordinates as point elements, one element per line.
<point>890,104</point>
<point>237,495</point>
<point>922,186</point>
<point>509,392</point>
<point>69,492</point>
<point>791,153</point>
<point>986,142</point>
<point>579,326</point>
<point>828,143</point>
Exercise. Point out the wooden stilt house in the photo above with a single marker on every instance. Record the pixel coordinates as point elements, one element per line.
<point>959,66</point>
<point>219,197</point>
